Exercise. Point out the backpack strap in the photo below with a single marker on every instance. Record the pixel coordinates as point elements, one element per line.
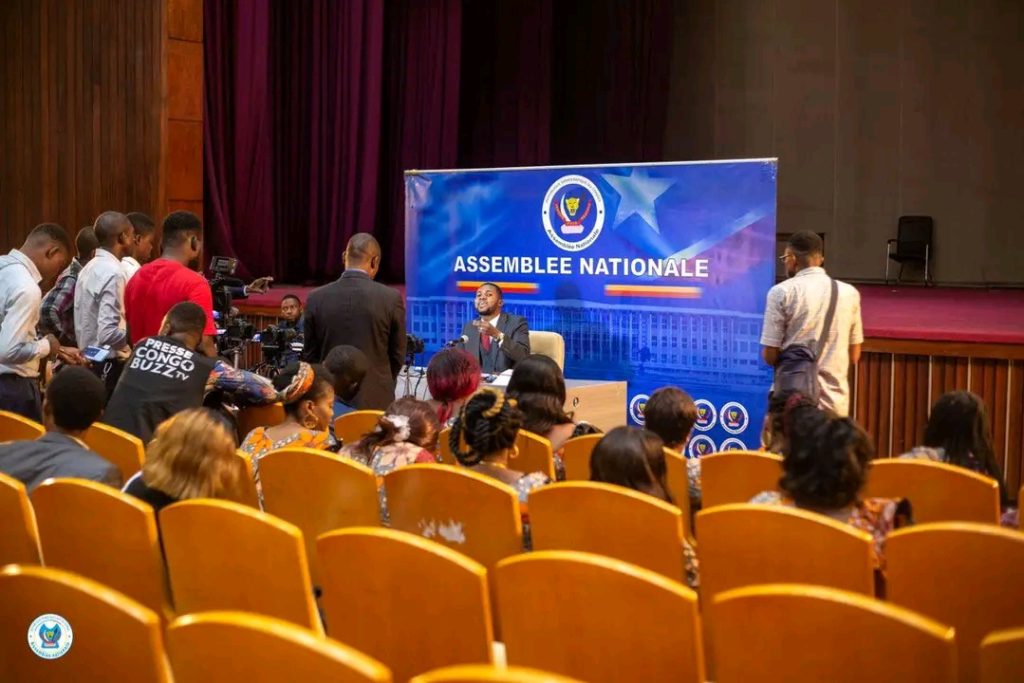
<point>829,316</point>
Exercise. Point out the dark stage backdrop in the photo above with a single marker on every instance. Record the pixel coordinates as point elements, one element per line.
<point>315,107</point>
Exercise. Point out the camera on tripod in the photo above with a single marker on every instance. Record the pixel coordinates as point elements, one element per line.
<point>235,330</point>
<point>280,345</point>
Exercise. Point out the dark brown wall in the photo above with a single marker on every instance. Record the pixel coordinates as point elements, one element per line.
<point>875,108</point>
<point>80,111</point>
<point>100,108</point>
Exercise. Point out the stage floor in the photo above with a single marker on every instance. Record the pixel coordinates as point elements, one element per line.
<point>992,316</point>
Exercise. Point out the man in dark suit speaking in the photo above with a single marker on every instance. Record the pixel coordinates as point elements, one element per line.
<point>356,311</point>
<point>498,340</point>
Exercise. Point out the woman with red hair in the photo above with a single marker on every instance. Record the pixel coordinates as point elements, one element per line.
<point>452,377</point>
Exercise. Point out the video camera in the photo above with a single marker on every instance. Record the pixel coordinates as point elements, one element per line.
<point>234,330</point>
<point>279,343</point>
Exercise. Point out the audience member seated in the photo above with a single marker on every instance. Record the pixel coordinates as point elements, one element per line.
<point>453,375</point>
<point>74,400</point>
<point>348,366</point>
<point>167,374</point>
<point>671,413</point>
<point>824,469</point>
<point>488,424</point>
<point>307,392</point>
<point>635,459</point>
<point>773,431</point>
<point>958,434</point>
<point>538,386</point>
<point>405,434</point>
<point>192,455</point>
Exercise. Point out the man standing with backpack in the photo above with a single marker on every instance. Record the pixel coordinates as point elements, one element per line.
<point>812,327</point>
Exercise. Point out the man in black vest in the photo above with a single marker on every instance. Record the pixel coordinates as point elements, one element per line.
<point>166,374</point>
<point>356,311</point>
<point>498,340</point>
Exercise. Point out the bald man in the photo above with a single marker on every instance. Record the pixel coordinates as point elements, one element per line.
<point>99,296</point>
<point>356,311</point>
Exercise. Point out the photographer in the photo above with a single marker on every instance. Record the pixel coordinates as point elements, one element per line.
<point>172,278</point>
<point>166,375</point>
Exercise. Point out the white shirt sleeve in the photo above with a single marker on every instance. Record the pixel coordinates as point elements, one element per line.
<point>774,329</point>
<point>110,331</point>
<point>18,343</point>
<point>856,325</point>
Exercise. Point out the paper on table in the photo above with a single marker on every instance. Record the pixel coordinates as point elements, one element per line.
<point>502,379</point>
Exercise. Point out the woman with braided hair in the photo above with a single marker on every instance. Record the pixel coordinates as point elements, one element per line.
<point>307,392</point>
<point>405,434</point>
<point>488,423</point>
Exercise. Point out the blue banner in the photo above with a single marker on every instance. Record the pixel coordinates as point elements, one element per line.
<point>654,273</point>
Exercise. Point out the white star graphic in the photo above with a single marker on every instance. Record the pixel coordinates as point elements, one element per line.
<point>637,193</point>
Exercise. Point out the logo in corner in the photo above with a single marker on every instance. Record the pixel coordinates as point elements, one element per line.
<point>734,417</point>
<point>50,636</point>
<point>732,444</point>
<point>706,415</point>
<point>701,445</point>
<point>573,213</point>
<point>637,407</point>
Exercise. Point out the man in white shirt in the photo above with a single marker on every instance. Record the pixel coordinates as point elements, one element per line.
<point>45,253</point>
<point>142,246</point>
<point>99,296</point>
<point>796,311</point>
<point>497,339</point>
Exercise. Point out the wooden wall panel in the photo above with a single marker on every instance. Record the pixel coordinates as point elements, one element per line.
<point>80,110</point>
<point>894,391</point>
<point>185,20</point>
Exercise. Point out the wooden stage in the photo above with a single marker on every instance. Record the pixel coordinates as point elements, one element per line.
<point>920,343</point>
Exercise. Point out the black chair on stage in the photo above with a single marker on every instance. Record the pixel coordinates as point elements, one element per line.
<point>913,245</point>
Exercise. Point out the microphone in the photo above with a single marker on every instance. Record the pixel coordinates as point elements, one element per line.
<point>454,342</point>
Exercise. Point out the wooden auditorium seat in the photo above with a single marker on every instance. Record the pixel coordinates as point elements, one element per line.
<point>937,492</point>
<point>535,455</point>
<point>14,427</point>
<point>410,603</point>
<point>737,476</point>
<point>962,574</point>
<point>351,427</point>
<point>114,638</point>
<point>597,619</point>
<point>247,493</point>
<point>576,456</point>
<point>795,633</point>
<point>743,545</point>
<point>105,535</point>
<point>609,520</point>
<point>444,449</point>
<point>125,451</point>
<point>479,673</point>
<point>226,556</point>
<point>19,535</point>
<point>678,479</point>
<point>251,648</point>
<point>251,417</point>
<point>318,492</point>
<point>1002,656</point>
<point>475,515</point>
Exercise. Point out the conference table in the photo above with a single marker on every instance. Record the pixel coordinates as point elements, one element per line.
<point>601,403</point>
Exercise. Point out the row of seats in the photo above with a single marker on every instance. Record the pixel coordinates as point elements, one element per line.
<point>741,545</point>
<point>938,492</point>
<point>115,638</point>
<point>645,627</point>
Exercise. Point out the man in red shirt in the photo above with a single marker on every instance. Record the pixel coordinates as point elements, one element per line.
<point>169,280</point>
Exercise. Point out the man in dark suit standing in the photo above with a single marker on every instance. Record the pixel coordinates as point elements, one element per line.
<point>356,311</point>
<point>498,340</point>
